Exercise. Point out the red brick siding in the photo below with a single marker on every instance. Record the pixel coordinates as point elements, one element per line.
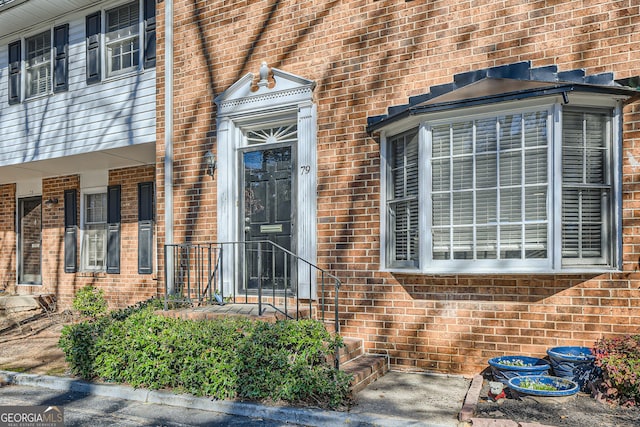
<point>368,55</point>
<point>121,289</point>
<point>8,237</point>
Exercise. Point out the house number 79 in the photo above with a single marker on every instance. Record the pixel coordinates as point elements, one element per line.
<point>305,169</point>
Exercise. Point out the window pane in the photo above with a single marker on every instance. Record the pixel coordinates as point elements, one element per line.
<point>535,203</point>
<point>511,205</point>
<point>441,141</point>
<point>486,136</point>
<point>490,176</point>
<point>486,176</point>
<point>441,243</point>
<point>463,208</point>
<point>38,64</point>
<point>462,173</point>
<point>511,168</point>
<point>586,190</point>
<point>403,200</point>
<point>487,242</point>
<point>94,231</point>
<point>535,127</point>
<point>535,166</point>
<point>441,174</point>
<point>462,138</point>
<point>511,242</point>
<point>536,241</point>
<point>462,241</point>
<point>510,132</point>
<point>123,50</point>
<point>441,209</point>
<point>486,207</point>
<point>96,208</point>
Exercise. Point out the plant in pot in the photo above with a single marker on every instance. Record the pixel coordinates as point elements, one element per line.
<point>543,386</point>
<point>504,368</point>
<point>573,363</point>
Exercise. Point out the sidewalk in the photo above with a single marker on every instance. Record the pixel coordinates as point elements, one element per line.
<point>395,400</point>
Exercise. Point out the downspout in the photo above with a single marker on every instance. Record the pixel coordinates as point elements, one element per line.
<point>168,145</point>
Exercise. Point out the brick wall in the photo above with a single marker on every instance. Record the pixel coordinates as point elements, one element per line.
<point>121,289</point>
<point>366,56</point>
<point>7,237</point>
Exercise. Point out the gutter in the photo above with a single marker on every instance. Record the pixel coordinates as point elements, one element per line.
<point>168,144</point>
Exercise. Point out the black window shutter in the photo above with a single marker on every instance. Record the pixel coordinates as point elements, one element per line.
<point>145,228</point>
<point>70,231</point>
<point>61,58</point>
<point>15,54</point>
<point>113,229</point>
<point>93,48</point>
<point>149,33</point>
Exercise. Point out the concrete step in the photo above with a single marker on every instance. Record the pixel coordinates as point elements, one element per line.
<point>365,370</point>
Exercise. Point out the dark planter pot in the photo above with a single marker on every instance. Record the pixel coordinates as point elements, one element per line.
<point>573,363</point>
<point>506,367</point>
<point>563,387</point>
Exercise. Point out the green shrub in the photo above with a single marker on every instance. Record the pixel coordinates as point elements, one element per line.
<point>619,360</point>
<point>78,343</point>
<point>288,361</point>
<point>89,301</point>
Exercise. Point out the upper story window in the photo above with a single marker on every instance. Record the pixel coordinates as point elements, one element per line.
<point>121,40</point>
<point>38,64</point>
<point>506,191</point>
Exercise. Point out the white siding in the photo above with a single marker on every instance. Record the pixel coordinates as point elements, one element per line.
<point>115,113</point>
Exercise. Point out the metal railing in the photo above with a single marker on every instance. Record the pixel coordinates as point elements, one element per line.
<point>256,272</point>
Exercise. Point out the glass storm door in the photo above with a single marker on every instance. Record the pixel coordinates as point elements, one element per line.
<point>30,239</point>
<point>267,216</point>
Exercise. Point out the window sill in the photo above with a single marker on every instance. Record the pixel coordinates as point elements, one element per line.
<point>502,272</point>
<point>92,274</point>
<point>124,75</point>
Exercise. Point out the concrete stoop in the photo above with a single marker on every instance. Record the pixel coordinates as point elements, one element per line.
<point>10,304</point>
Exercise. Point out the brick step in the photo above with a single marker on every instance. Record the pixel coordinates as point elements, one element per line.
<point>365,370</point>
<point>352,349</point>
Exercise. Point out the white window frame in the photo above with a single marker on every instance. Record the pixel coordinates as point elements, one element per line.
<point>107,59</point>
<point>84,247</point>
<point>41,63</point>
<point>553,263</point>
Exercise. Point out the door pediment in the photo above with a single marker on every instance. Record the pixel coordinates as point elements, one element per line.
<point>270,87</point>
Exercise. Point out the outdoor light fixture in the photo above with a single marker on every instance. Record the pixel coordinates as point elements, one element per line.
<point>210,161</point>
<point>51,201</point>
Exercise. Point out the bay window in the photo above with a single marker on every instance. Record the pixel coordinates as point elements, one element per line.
<point>520,190</point>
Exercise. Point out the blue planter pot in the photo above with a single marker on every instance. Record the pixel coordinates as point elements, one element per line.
<point>563,387</point>
<point>504,368</point>
<point>573,363</point>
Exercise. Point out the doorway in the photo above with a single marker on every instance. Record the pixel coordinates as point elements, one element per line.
<point>30,241</point>
<point>267,216</point>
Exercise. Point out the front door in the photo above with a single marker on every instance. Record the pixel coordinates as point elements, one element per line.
<point>267,216</point>
<point>29,241</point>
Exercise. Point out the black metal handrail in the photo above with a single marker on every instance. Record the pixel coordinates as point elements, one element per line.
<point>199,274</point>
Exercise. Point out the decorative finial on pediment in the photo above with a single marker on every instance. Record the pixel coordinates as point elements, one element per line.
<point>264,75</point>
